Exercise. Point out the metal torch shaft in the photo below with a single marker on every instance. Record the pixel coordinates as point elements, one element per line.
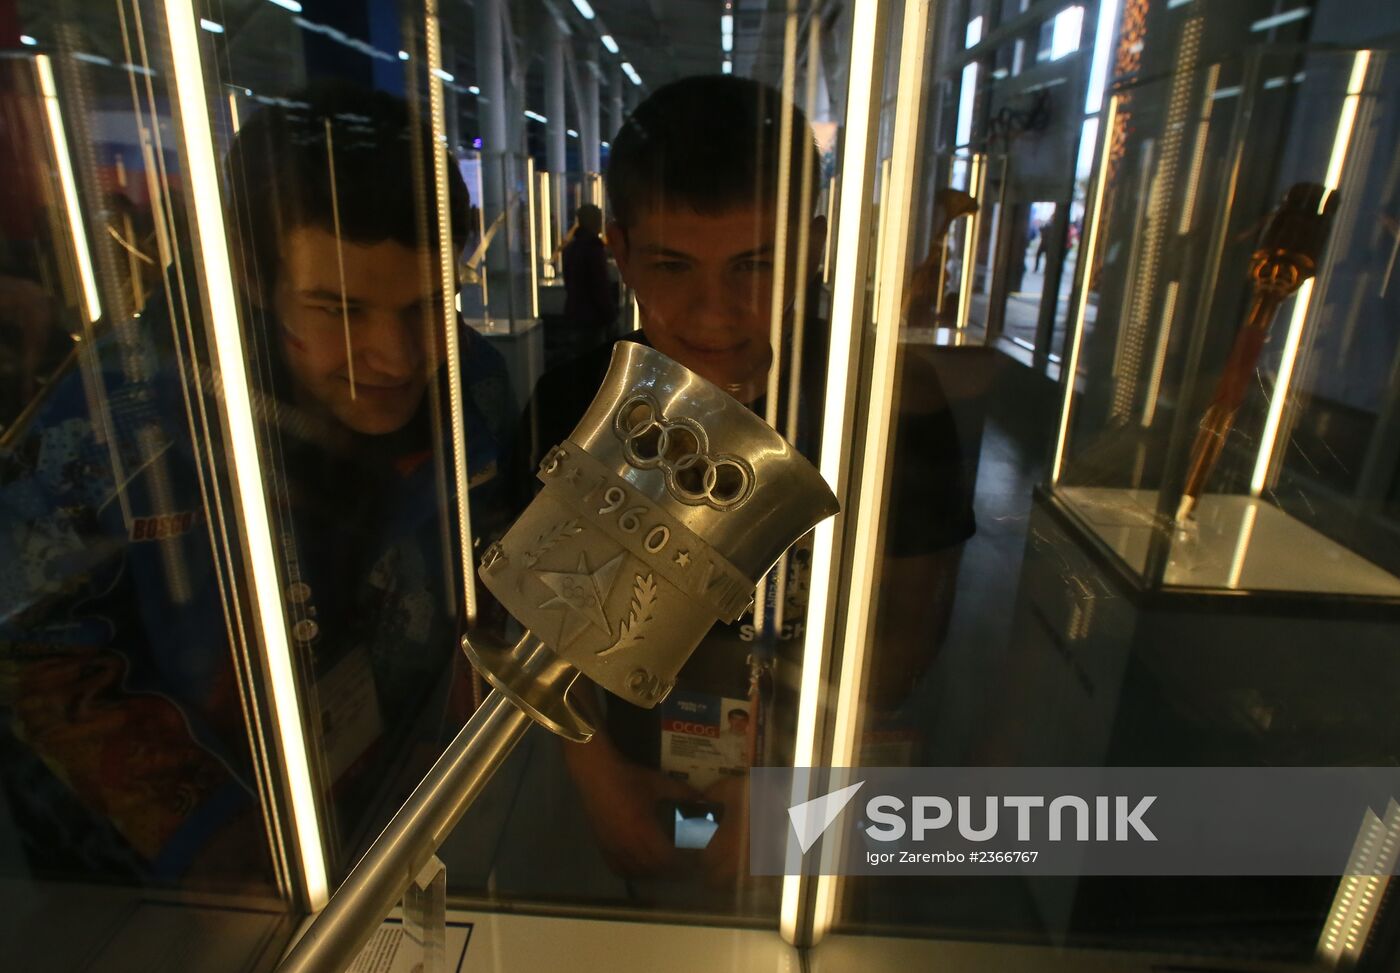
<point>380,878</point>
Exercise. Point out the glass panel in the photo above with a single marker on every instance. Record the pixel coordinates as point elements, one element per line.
<point>648,817</point>
<point>1021,234</point>
<point>1043,598</point>
<point>140,826</point>
<point>375,414</point>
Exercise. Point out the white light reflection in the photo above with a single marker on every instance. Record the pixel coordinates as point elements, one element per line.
<point>77,229</point>
<point>1278,20</point>
<point>1341,143</point>
<point>534,240</point>
<point>836,417</point>
<point>1086,262</point>
<point>203,176</point>
<point>1066,28</point>
<point>1103,47</point>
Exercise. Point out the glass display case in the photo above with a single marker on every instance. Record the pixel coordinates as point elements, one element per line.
<point>1202,459</point>
<point>1082,312</point>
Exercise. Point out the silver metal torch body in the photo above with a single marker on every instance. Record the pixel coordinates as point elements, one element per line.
<point>658,517</point>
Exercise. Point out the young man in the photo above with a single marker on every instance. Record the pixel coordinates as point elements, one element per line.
<point>693,185</point>
<point>117,676</point>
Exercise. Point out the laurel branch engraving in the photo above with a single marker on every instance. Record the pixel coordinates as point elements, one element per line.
<point>643,601</point>
<point>549,538</point>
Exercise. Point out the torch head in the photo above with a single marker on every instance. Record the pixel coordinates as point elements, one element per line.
<point>659,516</point>
<point>1290,247</point>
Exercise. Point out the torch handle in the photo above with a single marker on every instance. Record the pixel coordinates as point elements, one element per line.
<point>1230,391</point>
<point>379,879</point>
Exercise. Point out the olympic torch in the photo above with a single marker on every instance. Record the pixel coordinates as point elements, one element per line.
<point>658,517</point>
<point>1288,253</point>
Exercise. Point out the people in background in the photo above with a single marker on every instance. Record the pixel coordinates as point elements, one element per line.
<point>590,301</point>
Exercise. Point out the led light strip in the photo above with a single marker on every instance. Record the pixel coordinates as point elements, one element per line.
<point>448,259</point>
<point>836,417</point>
<point>1086,262</point>
<point>1341,143</point>
<point>242,441</point>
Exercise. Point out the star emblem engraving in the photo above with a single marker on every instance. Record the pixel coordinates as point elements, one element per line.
<point>580,595</point>
<point>573,475</point>
<point>683,559</point>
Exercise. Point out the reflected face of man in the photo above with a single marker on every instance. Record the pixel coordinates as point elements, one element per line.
<point>365,355</point>
<point>704,284</point>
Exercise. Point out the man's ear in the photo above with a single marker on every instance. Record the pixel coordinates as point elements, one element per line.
<point>617,243</point>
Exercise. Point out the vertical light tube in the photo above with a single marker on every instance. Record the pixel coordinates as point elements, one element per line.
<point>246,470</point>
<point>1086,264</point>
<point>447,257</point>
<point>1198,152</point>
<point>546,244</point>
<point>77,229</point>
<point>829,251</point>
<point>1098,60</point>
<point>1242,542</point>
<point>777,309</point>
<point>976,182</point>
<point>1341,144</point>
<point>533,237</point>
<point>847,296</point>
<point>871,501</point>
<point>882,211</point>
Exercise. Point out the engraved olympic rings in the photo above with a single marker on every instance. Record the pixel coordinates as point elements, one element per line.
<point>680,448</point>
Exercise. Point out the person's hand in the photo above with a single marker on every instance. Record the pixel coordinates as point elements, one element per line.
<point>725,858</point>
<point>620,799</point>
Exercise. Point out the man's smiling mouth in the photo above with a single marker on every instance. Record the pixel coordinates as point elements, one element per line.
<point>705,349</point>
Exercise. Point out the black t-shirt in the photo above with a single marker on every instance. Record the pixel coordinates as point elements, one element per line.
<point>930,506</point>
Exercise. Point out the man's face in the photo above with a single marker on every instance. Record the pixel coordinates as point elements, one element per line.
<point>365,361</point>
<point>704,284</point>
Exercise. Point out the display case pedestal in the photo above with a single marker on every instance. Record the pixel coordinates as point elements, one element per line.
<point>1220,665</point>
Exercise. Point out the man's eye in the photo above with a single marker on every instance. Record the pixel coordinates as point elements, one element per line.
<point>754,266</point>
<point>670,266</point>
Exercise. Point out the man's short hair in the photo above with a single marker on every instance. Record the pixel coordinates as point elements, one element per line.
<point>590,218</point>
<point>708,144</point>
<point>279,174</point>
<point>736,711</point>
